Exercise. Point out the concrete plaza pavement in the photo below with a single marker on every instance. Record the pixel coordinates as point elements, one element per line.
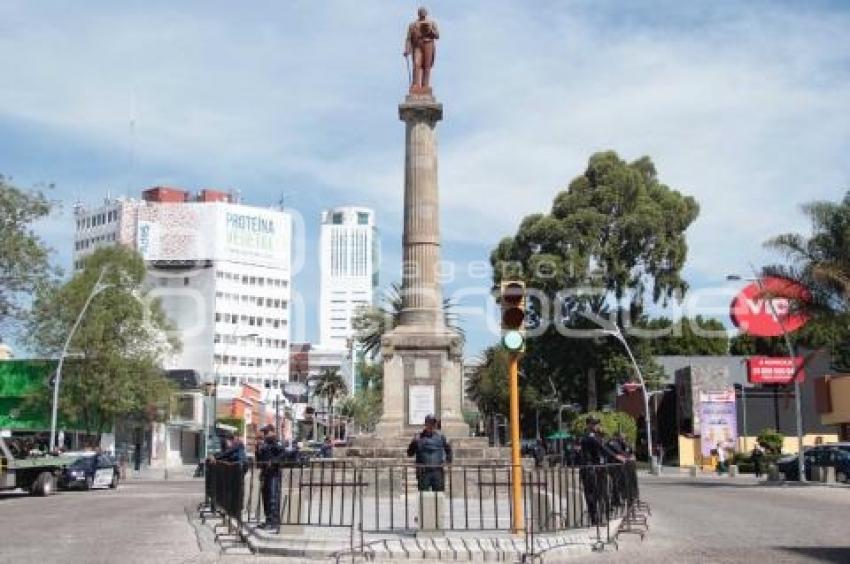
<point>717,519</point>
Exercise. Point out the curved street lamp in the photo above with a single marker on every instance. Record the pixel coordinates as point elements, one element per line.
<point>99,286</point>
<point>611,328</point>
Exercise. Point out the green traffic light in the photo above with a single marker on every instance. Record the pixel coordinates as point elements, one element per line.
<point>513,341</point>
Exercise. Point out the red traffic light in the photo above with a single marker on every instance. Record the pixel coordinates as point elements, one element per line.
<point>513,293</point>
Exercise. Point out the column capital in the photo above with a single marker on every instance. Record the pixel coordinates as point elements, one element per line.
<point>420,108</point>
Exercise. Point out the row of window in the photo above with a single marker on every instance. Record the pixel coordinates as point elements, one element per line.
<point>239,380</point>
<point>97,219</point>
<point>258,342</point>
<point>233,360</point>
<point>255,300</point>
<point>84,244</point>
<point>252,280</point>
<point>250,320</point>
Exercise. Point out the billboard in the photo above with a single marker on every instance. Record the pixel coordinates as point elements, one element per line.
<point>775,370</point>
<point>718,420</point>
<point>214,231</point>
<point>766,308</point>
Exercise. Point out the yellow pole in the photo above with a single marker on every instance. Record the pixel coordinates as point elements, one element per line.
<point>516,463</point>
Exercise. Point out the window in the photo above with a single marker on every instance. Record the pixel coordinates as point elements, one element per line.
<point>362,218</point>
<point>337,218</point>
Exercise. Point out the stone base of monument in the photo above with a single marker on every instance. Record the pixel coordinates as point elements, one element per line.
<point>422,376</point>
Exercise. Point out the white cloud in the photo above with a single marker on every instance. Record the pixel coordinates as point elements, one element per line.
<point>743,107</point>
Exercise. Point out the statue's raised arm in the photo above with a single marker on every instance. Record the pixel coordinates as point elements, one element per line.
<point>421,42</point>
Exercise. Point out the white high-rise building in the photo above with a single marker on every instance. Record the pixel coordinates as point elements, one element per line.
<point>349,271</point>
<point>222,271</point>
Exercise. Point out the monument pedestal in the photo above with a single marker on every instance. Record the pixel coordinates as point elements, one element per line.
<point>422,376</point>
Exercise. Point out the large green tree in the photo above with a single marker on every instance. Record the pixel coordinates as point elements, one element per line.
<point>24,257</point>
<point>118,348</point>
<point>687,337</point>
<point>613,239</point>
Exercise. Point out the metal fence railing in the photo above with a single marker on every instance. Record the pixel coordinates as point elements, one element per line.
<point>371,500</point>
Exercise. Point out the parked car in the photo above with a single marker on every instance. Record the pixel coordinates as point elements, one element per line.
<point>834,455</point>
<point>91,471</point>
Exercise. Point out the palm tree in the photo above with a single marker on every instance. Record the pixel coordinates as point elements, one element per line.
<point>372,322</point>
<point>330,385</point>
<point>821,262</point>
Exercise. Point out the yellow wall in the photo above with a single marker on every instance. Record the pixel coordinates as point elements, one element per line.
<point>688,449</point>
<point>839,391</point>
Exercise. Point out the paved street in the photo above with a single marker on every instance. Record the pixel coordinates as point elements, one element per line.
<point>705,520</point>
<point>718,520</point>
<point>140,522</point>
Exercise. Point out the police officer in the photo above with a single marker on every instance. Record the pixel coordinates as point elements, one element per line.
<point>432,451</point>
<point>594,453</point>
<point>269,453</point>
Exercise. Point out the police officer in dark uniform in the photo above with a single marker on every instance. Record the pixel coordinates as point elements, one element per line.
<point>269,453</point>
<point>432,451</point>
<point>594,480</point>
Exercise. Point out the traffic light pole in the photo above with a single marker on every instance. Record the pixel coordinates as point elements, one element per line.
<point>516,462</point>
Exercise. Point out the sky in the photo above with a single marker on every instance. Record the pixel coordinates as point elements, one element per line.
<point>743,106</point>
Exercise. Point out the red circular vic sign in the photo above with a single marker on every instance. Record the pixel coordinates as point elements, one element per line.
<point>761,310</point>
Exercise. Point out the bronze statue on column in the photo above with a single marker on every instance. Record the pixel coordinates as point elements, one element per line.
<point>421,42</point>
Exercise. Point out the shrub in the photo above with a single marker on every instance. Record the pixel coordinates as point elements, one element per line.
<point>771,440</point>
<point>611,422</point>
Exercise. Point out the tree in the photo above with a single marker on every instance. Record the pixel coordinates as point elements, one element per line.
<point>330,385</point>
<point>618,235</point>
<point>371,323</point>
<point>118,347</point>
<point>820,262</point>
<point>24,262</point>
<point>366,405</point>
<point>689,337</point>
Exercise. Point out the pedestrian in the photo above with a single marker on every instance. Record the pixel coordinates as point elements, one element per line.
<point>594,480</point>
<point>233,451</point>
<point>327,448</point>
<point>756,456</point>
<point>721,458</point>
<point>432,451</point>
<point>539,453</point>
<point>269,452</point>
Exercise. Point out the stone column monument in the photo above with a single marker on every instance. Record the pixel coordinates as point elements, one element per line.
<point>422,357</point>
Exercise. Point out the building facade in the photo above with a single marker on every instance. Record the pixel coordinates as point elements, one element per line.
<point>222,271</point>
<point>348,256</point>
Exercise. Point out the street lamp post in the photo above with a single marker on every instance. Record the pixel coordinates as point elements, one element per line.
<point>99,286</point>
<point>801,464</point>
<point>611,328</point>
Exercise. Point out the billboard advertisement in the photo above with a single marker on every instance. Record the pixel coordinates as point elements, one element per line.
<point>767,308</point>
<point>718,420</point>
<point>214,231</point>
<point>775,370</point>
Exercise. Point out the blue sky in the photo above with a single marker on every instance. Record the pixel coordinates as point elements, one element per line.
<point>742,105</point>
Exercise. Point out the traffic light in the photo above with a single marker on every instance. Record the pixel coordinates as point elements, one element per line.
<point>512,300</point>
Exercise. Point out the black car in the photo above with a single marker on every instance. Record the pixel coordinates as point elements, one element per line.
<point>93,471</point>
<point>837,456</point>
